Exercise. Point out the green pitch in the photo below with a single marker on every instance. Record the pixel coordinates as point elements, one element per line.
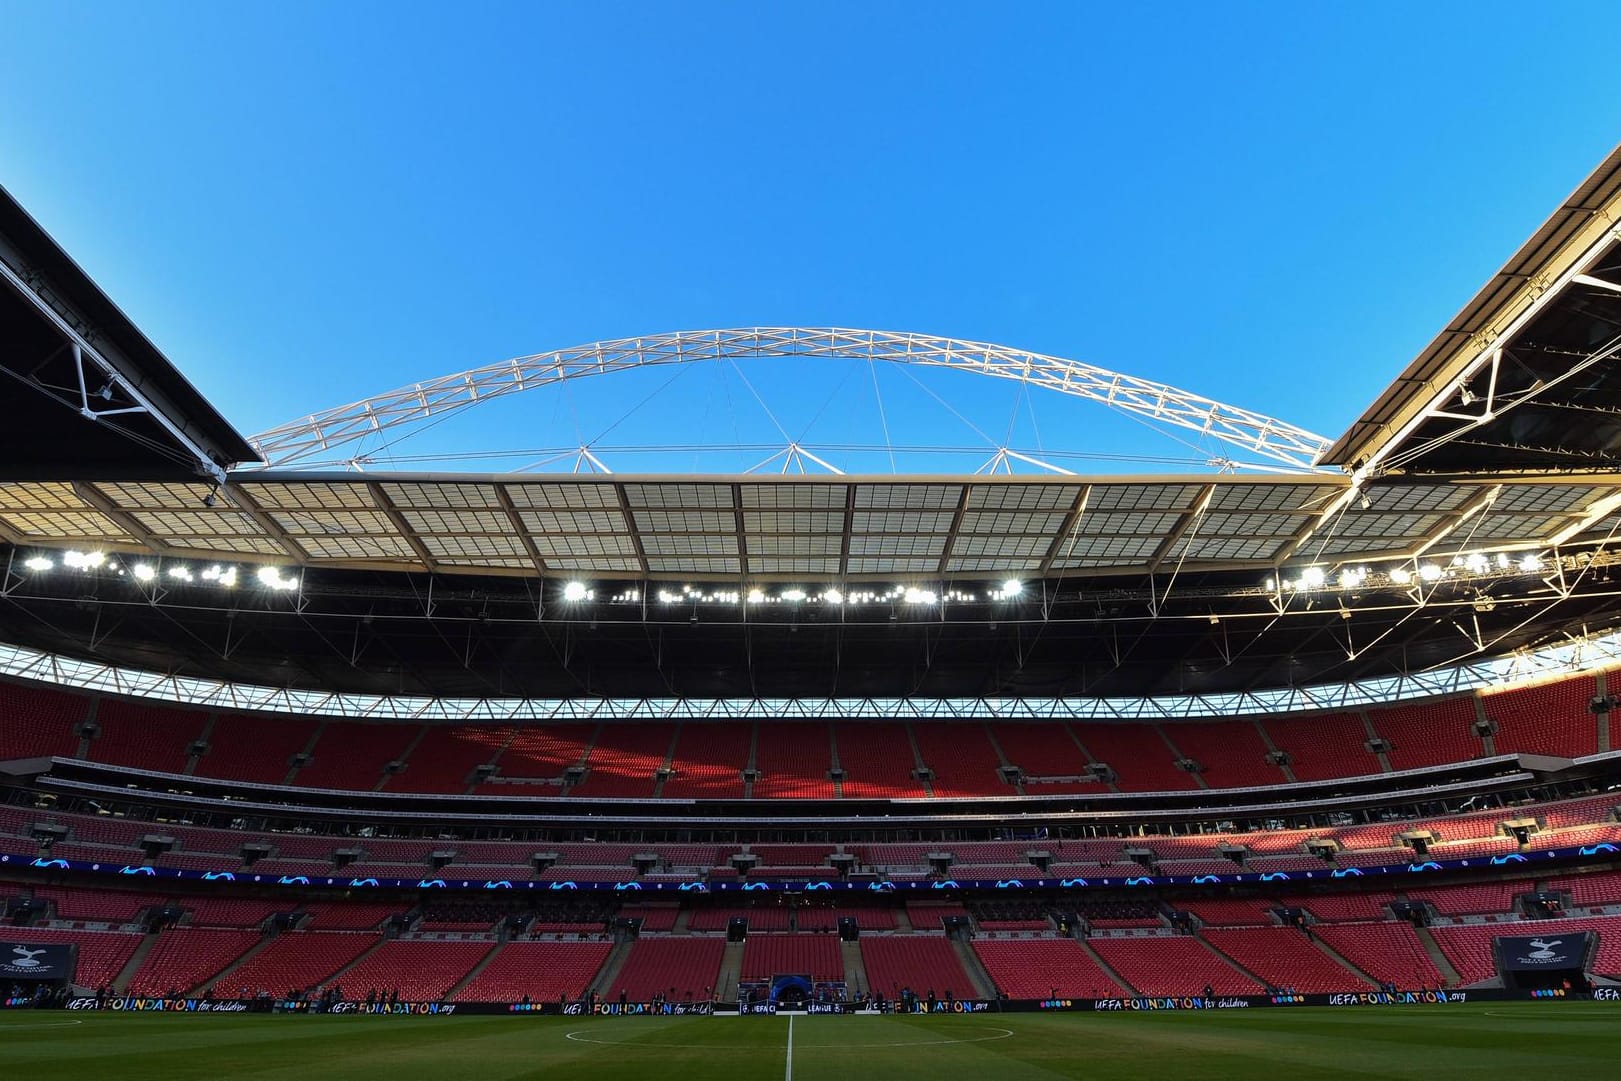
<point>1423,1043</point>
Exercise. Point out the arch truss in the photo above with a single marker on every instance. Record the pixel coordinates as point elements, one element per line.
<point>1278,444</point>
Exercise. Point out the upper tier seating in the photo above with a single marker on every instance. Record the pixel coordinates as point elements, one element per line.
<point>349,755</point>
<point>1141,760</point>
<point>529,759</point>
<point>877,760</point>
<point>709,761</point>
<point>1323,746</point>
<point>625,758</point>
<point>1044,751</point>
<point>445,758</point>
<point>38,721</point>
<point>539,753</point>
<point>1430,733</point>
<point>145,736</point>
<point>1550,719</point>
<point>259,749</point>
<point>793,758</point>
<point>964,761</point>
<point>1232,753</point>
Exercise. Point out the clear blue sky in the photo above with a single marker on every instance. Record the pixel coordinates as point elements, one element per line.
<point>1276,205</point>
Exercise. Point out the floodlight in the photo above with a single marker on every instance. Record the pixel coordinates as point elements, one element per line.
<point>793,594</point>
<point>143,572</point>
<point>1312,577</point>
<point>756,596</point>
<point>575,591</point>
<point>1429,572</point>
<point>38,563</point>
<point>1531,563</point>
<point>833,596</point>
<point>1012,587</point>
<point>1400,575</point>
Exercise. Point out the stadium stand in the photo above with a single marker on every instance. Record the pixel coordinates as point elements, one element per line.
<point>39,721</point>
<point>1232,753</point>
<point>102,954</point>
<point>145,736</point>
<point>1041,968</point>
<point>709,761</point>
<point>184,958</point>
<point>1045,753</point>
<point>420,970</point>
<point>1390,952</point>
<point>1429,733</point>
<point>921,963</point>
<point>624,760</point>
<point>794,760</point>
<point>680,968</point>
<point>1284,957</point>
<point>816,956</point>
<point>877,760</point>
<point>255,749</point>
<point>295,961</point>
<point>1172,965</point>
<point>351,756</point>
<point>444,759</point>
<point>962,758</point>
<point>537,971</point>
<point>1140,758</point>
<point>1550,718</point>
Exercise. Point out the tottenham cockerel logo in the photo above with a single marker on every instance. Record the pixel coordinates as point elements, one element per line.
<point>26,957</point>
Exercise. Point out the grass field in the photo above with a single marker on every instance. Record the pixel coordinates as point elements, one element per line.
<point>1428,1043</point>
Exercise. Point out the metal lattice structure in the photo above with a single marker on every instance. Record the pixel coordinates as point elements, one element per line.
<point>1278,443</point>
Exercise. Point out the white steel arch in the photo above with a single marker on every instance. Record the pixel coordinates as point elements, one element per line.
<point>1567,658</point>
<point>1275,440</point>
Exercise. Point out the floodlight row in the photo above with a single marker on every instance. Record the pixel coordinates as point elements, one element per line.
<point>1464,565</point>
<point>578,592</point>
<point>223,575</point>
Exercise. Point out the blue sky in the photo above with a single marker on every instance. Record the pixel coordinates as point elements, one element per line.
<point>1273,205</point>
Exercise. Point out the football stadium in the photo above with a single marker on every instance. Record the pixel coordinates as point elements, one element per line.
<point>320,758</point>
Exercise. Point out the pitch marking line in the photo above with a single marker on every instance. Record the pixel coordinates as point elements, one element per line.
<point>788,1075</point>
<point>39,1024</point>
<point>579,1036</point>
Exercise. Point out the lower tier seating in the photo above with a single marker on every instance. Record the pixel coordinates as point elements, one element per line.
<point>1039,968</point>
<point>675,967</point>
<point>537,971</point>
<point>922,963</point>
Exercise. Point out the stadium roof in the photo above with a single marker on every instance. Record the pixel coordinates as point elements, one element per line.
<point>1471,514</point>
